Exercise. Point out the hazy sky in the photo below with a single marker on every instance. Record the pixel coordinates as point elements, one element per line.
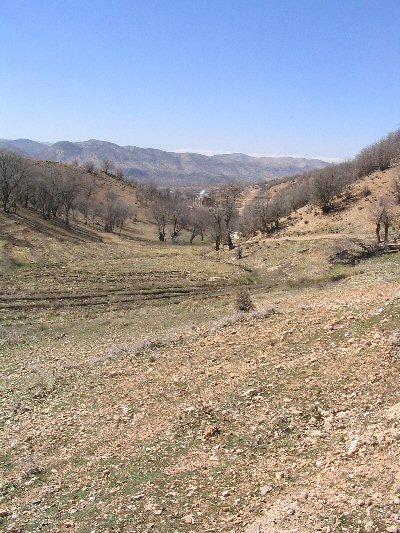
<point>310,77</point>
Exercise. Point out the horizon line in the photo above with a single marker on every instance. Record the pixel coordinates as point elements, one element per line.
<point>201,151</point>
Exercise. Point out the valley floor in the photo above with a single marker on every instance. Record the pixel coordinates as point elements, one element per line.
<point>129,403</point>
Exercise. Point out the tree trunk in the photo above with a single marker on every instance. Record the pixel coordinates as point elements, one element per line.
<point>229,242</point>
<point>67,218</point>
<point>386,232</point>
<point>378,232</point>
<point>217,243</point>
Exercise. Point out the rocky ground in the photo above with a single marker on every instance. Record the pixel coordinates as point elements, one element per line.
<point>285,420</point>
<point>134,399</point>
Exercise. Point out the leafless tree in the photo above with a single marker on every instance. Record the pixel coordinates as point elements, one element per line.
<point>123,214</point>
<point>265,213</point>
<point>160,211</point>
<point>198,222</point>
<point>84,201</point>
<point>226,202</point>
<point>48,192</point>
<point>177,213</point>
<point>89,167</point>
<point>114,212</point>
<point>107,166</point>
<point>13,172</point>
<point>260,210</point>
<point>217,225</point>
<point>119,174</point>
<point>380,155</point>
<point>325,186</point>
<point>146,193</point>
<point>29,188</point>
<point>69,190</point>
<point>382,214</point>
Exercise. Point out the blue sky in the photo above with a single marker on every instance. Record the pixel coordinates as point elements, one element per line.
<point>308,77</point>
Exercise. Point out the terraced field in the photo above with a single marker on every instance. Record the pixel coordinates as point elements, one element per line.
<point>282,421</point>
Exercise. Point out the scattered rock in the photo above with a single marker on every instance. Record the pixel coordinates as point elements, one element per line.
<point>211,431</point>
<point>266,489</point>
<point>189,519</point>
<point>251,393</point>
<point>354,447</point>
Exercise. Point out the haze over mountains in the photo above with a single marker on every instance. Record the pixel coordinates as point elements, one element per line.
<point>166,168</point>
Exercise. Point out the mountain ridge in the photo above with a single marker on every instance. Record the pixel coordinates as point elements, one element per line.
<point>164,167</point>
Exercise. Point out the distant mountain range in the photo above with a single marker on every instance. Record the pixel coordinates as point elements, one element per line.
<point>166,168</point>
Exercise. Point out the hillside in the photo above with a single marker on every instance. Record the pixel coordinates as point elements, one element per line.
<point>134,398</point>
<point>168,168</point>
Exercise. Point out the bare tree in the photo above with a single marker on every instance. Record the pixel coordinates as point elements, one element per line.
<point>148,192</point>
<point>227,198</point>
<point>124,213</point>
<point>198,222</point>
<point>89,167</point>
<point>119,174</point>
<point>28,189</point>
<point>48,193</point>
<point>382,214</point>
<point>217,225</point>
<point>177,213</point>
<point>107,166</point>
<point>380,155</point>
<point>260,214</point>
<point>84,201</point>
<point>325,186</point>
<point>160,212</point>
<point>13,172</point>
<point>265,213</point>
<point>114,212</point>
<point>69,192</point>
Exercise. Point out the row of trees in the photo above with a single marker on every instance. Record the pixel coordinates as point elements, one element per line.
<point>173,210</point>
<point>58,193</point>
<point>320,187</point>
<point>106,165</point>
<point>61,192</point>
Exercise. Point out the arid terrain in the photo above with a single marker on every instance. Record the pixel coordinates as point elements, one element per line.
<point>134,398</point>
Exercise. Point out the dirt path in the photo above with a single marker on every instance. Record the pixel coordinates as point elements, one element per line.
<point>316,237</point>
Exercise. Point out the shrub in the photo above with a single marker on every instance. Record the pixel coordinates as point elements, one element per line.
<point>243,300</point>
<point>366,191</point>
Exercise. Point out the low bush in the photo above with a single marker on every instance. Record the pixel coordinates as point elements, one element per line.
<point>243,300</point>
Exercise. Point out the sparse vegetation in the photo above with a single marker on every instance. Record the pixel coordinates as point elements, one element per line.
<point>127,371</point>
<point>243,300</point>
